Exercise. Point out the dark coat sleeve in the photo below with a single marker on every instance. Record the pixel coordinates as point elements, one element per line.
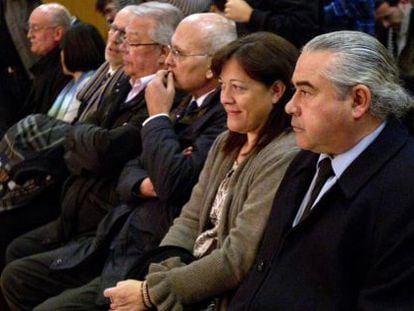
<point>172,172</point>
<point>99,150</point>
<point>111,140</point>
<point>129,180</point>
<point>295,20</point>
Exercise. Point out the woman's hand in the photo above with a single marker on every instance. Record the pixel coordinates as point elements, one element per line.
<point>125,296</point>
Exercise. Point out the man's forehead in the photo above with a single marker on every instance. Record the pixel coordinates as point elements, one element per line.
<point>122,18</point>
<point>310,66</point>
<point>185,39</point>
<point>39,15</point>
<point>314,59</point>
<point>138,27</point>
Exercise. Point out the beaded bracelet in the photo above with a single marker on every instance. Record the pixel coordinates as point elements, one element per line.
<point>145,296</point>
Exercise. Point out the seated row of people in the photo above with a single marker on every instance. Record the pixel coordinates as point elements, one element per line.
<point>23,185</point>
<point>96,150</point>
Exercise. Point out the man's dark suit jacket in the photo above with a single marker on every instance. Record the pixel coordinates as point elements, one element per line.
<point>355,250</point>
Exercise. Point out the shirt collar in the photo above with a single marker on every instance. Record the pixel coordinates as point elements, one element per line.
<point>341,161</point>
<point>141,82</point>
<point>138,85</point>
<point>201,98</point>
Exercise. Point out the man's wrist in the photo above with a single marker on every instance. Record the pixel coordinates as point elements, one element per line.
<point>154,116</point>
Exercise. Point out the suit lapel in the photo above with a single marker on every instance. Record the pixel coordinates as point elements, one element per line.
<point>196,118</point>
<point>389,142</point>
<point>363,168</point>
<point>289,197</point>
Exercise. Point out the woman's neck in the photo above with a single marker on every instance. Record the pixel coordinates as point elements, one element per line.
<point>247,148</point>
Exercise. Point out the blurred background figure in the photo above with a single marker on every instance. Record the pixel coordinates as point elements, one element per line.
<point>109,8</point>
<point>46,27</point>
<point>395,29</point>
<point>80,64</point>
<point>349,15</point>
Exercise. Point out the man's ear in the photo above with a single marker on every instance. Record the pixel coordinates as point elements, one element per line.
<point>278,89</point>
<point>164,53</point>
<point>361,100</point>
<point>209,74</point>
<point>58,33</point>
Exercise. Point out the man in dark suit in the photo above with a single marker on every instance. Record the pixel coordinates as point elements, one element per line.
<point>153,187</point>
<point>343,242</point>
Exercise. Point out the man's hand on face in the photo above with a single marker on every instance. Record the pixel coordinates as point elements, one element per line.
<point>160,92</point>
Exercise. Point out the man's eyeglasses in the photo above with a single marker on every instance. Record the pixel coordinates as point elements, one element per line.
<point>36,28</point>
<point>115,29</point>
<point>137,44</point>
<point>179,54</point>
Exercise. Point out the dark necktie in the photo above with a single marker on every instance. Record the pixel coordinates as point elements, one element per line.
<point>191,107</point>
<point>325,171</point>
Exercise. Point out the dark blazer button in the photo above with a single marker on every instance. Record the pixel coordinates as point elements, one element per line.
<point>260,266</point>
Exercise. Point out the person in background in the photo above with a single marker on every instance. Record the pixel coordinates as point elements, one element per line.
<point>16,59</point>
<point>295,20</point>
<point>395,29</point>
<point>80,64</point>
<point>47,25</point>
<point>109,8</point>
<point>221,225</point>
<point>340,232</point>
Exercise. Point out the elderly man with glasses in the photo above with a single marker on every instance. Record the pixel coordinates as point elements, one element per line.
<point>46,27</point>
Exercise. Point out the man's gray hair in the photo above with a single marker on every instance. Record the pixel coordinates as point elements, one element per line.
<point>166,17</point>
<point>362,59</point>
<point>59,15</point>
<point>215,31</point>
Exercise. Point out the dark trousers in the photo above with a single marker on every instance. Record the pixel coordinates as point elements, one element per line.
<point>33,242</point>
<point>18,221</point>
<point>29,284</point>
